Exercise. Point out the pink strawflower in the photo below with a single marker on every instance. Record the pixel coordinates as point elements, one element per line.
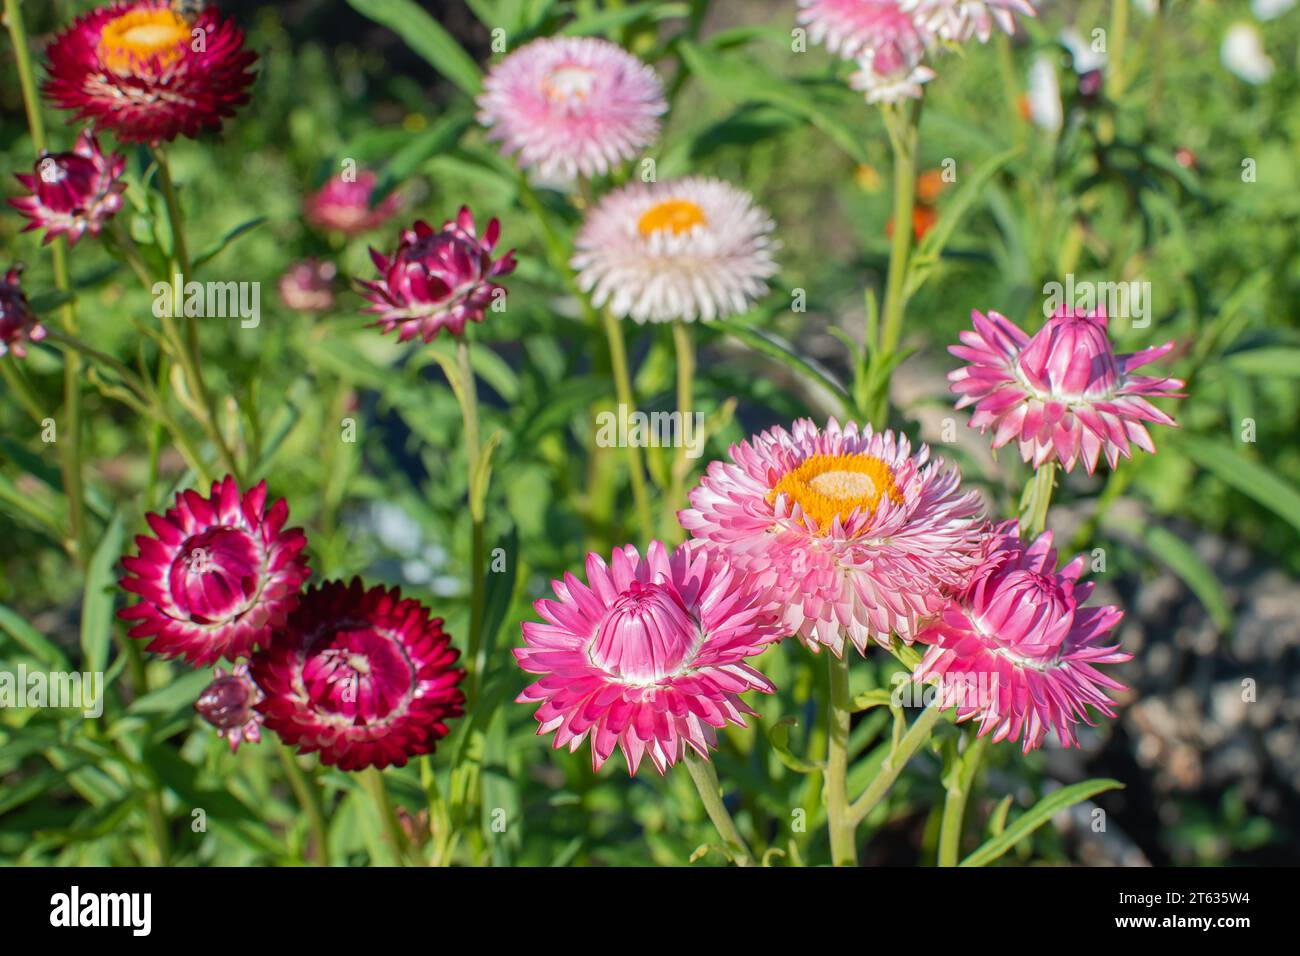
<point>857,28</point>
<point>648,655</point>
<point>438,280</point>
<point>1017,649</point>
<point>891,73</point>
<point>229,704</point>
<point>959,20</point>
<point>18,324</point>
<point>344,205</point>
<point>219,575</point>
<point>308,286</point>
<point>1064,392</point>
<point>572,106</point>
<point>73,193</point>
<point>854,534</point>
<point>363,677</point>
<point>149,74</point>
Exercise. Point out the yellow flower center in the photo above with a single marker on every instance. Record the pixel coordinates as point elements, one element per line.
<point>568,83</point>
<point>826,486</point>
<point>678,215</point>
<point>133,38</point>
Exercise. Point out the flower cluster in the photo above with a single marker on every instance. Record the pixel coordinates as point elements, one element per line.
<point>363,677</point>
<point>889,40</point>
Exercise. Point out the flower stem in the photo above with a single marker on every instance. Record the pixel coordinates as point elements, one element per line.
<point>623,393</point>
<point>902,126</point>
<point>467,393</point>
<point>1118,40</point>
<point>843,829</point>
<point>1035,501</point>
<point>954,803</point>
<point>706,782</point>
<point>898,757</point>
<point>71,445</point>
<point>684,348</point>
<point>18,385</point>
<point>373,781</point>
<point>309,798</point>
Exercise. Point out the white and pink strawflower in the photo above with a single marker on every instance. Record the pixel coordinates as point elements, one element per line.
<point>572,106</point>
<point>856,536</point>
<point>959,20</point>
<point>890,74</point>
<point>854,28</point>
<point>1063,393</point>
<point>685,249</point>
<point>1017,650</point>
<point>648,655</point>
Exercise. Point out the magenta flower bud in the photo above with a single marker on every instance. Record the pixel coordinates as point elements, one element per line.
<point>228,704</point>
<point>344,205</point>
<point>73,193</point>
<point>437,280</point>
<point>1063,393</point>
<point>17,323</point>
<point>1017,650</point>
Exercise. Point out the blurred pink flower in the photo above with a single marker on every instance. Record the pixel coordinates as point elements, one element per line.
<point>1064,392</point>
<point>73,193</point>
<point>959,20</point>
<point>344,205</point>
<point>18,325</point>
<point>308,286</point>
<point>857,28</point>
<point>1017,650</point>
<point>572,106</point>
<point>648,655</point>
<point>855,535</point>
<point>437,280</point>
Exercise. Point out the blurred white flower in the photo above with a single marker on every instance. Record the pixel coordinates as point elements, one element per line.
<point>1044,94</point>
<point>1270,9</point>
<point>1243,54</point>
<point>1086,59</point>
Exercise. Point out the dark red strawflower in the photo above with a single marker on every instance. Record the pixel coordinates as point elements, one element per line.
<point>228,704</point>
<point>364,677</point>
<point>148,74</point>
<point>437,280</point>
<point>73,193</point>
<point>18,325</point>
<point>220,574</point>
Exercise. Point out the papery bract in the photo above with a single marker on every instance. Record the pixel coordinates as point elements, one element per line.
<point>73,193</point>
<point>229,704</point>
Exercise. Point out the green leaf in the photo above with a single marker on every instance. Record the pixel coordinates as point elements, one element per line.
<point>499,591</point>
<point>1183,560</point>
<point>425,36</point>
<point>1279,362</point>
<point>1036,816</point>
<point>179,694</point>
<point>1247,476</point>
<point>773,347</point>
<point>97,604</point>
<point>779,737</point>
<point>406,161</point>
<point>880,697</point>
<point>227,239</point>
<point>32,640</point>
<point>603,21</point>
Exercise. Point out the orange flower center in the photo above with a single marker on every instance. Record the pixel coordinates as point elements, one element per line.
<point>827,486</point>
<point>134,38</point>
<point>569,83</point>
<point>677,215</point>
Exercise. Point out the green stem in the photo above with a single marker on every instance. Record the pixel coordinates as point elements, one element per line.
<point>623,393</point>
<point>309,798</point>
<point>70,459</point>
<point>468,395</point>
<point>893,765</point>
<point>903,127</point>
<point>844,847</point>
<point>1035,501</point>
<point>684,348</point>
<point>18,385</point>
<point>1118,40</point>
<point>954,803</point>
<point>373,781</point>
<point>706,782</point>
